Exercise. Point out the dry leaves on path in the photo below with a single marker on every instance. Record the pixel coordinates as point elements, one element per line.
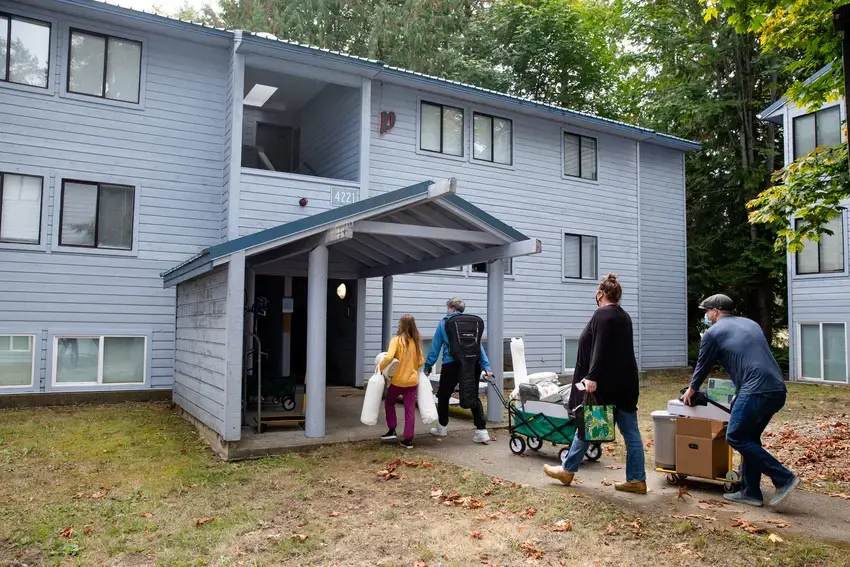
<point>694,517</point>
<point>201,521</point>
<point>613,467</point>
<point>562,526</point>
<point>531,551</point>
<point>476,535</point>
<point>334,515</point>
<point>606,482</point>
<point>611,530</point>
<point>528,514</point>
<point>747,526</point>
<point>300,537</point>
<point>683,491</point>
<point>817,452</point>
<point>775,538</point>
<point>779,523</point>
<point>67,532</point>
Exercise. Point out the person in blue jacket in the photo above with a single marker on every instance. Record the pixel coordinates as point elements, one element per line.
<point>450,376</point>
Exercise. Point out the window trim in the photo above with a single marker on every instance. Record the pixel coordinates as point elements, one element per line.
<point>53,352</point>
<point>844,253</point>
<point>471,273</point>
<point>433,101</point>
<point>799,352</point>
<point>81,248</point>
<point>35,337</point>
<point>28,245</point>
<point>595,277</point>
<point>569,132</point>
<point>814,114</point>
<point>106,37</point>
<point>51,22</point>
<point>491,161</point>
<point>564,339</point>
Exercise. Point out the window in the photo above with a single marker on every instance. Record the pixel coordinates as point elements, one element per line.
<point>99,359</point>
<point>97,215</point>
<point>24,51</point>
<point>825,256</point>
<point>426,347</point>
<point>823,352</point>
<point>579,156</point>
<point>441,129</point>
<point>17,360</point>
<point>481,268</point>
<point>20,208</point>
<point>821,128</point>
<point>570,355</point>
<point>580,257</point>
<point>104,66</point>
<point>492,138</point>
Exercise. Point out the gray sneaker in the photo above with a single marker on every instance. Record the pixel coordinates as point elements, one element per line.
<point>783,492</point>
<point>740,498</point>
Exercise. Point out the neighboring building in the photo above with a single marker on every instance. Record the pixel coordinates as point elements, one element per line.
<point>818,276</point>
<point>131,142</point>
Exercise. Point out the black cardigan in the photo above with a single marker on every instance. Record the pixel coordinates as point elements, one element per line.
<point>606,355</point>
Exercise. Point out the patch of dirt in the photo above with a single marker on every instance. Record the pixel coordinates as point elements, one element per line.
<point>12,556</point>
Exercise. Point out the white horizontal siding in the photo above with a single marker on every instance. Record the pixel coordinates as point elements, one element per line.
<point>170,149</point>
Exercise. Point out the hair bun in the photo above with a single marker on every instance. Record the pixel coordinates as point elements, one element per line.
<point>611,277</point>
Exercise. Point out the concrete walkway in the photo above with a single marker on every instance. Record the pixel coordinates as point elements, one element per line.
<point>810,514</point>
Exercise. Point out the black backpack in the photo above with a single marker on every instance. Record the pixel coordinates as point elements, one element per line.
<point>464,333</point>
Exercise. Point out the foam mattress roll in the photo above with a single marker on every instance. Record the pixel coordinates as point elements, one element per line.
<point>425,400</point>
<point>372,399</point>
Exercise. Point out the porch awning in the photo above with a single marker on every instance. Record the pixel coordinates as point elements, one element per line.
<point>419,228</point>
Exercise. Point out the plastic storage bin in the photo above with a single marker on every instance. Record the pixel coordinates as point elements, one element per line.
<point>664,433</point>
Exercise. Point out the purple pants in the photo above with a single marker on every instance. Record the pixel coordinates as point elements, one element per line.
<point>409,395</point>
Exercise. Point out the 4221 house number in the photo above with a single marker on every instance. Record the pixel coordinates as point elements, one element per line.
<point>341,196</point>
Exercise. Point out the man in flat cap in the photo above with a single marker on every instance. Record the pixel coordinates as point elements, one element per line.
<point>739,345</point>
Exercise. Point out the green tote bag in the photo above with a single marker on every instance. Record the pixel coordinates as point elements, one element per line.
<point>595,420</point>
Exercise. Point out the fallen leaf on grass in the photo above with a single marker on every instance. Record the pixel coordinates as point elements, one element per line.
<point>334,515</point>
<point>420,564</point>
<point>531,551</point>
<point>77,496</point>
<point>411,464</point>
<point>648,444</point>
<point>300,537</point>
<point>488,492</point>
<point>775,538</point>
<point>747,526</point>
<point>613,467</point>
<point>606,482</point>
<point>475,535</point>
<point>67,532</point>
<point>146,515</point>
<point>98,495</point>
<point>562,526</point>
<point>636,527</point>
<point>683,491</point>
<point>436,493</point>
<point>88,530</point>
<point>201,521</point>
<point>611,530</point>
<point>714,502</point>
<point>705,507</point>
<point>779,523</point>
<point>694,517</point>
<point>841,495</point>
<point>528,514</point>
<point>426,464</point>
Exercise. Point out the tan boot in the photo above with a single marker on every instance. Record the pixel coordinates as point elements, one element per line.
<point>636,486</point>
<point>559,473</point>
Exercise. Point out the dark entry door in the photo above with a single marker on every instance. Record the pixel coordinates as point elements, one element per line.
<point>342,334</point>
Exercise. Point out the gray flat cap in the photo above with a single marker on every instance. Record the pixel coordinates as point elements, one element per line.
<point>718,301</point>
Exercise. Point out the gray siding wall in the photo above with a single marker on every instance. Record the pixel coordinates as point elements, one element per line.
<point>169,148</point>
<point>200,348</point>
<point>663,259</point>
<point>330,134</point>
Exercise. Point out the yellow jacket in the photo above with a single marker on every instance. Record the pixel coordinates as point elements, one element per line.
<point>408,363</point>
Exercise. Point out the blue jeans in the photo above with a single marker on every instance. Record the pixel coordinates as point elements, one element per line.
<point>627,423</point>
<point>750,416</point>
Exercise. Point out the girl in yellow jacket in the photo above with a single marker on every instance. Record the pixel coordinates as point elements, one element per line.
<point>406,346</point>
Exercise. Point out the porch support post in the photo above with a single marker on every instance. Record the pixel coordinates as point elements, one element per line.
<point>495,336</point>
<point>387,313</point>
<point>317,326</point>
<point>360,378</point>
<point>286,363</point>
<point>248,344</point>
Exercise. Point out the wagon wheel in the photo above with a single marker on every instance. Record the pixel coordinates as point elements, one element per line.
<point>535,444</point>
<point>594,452</point>
<point>517,445</point>
<point>288,404</point>
<point>562,454</point>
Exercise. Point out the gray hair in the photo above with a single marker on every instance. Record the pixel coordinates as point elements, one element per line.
<point>457,304</point>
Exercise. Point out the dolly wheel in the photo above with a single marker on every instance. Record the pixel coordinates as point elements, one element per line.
<point>535,444</point>
<point>517,445</point>
<point>288,404</point>
<point>594,452</point>
<point>672,479</point>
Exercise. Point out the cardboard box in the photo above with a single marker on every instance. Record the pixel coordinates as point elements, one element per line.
<point>701,448</point>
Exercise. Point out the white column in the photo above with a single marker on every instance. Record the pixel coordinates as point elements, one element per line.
<point>495,336</point>
<point>387,313</point>
<point>317,330</point>
<point>235,323</point>
<point>365,135</point>
<point>360,347</point>
<point>286,363</point>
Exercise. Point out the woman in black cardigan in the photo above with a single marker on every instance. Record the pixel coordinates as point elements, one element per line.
<point>606,364</point>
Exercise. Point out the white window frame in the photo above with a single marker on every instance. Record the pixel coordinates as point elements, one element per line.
<point>564,339</point>
<point>53,352</point>
<point>591,280</point>
<point>490,114</point>
<point>117,33</point>
<point>50,90</point>
<point>581,133</point>
<point>46,187</point>
<point>466,137</point>
<point>819,275</point>
<point>96,179</point>
<point>508,276</point>
<point>799,352</point>
<point>794,120</point>
<point>35,338</point>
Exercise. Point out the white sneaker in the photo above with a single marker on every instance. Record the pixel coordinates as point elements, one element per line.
<point>481,436</point>
<point>440,431</point>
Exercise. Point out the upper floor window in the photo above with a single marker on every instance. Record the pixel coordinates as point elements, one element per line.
<point>580,257</point>
<point>825,256</point>
<point>24,51</point>
<point>481,268</point>
<point>441,129</point>
<point>821,128</point>
<point>97,215</point>
<point>492,138</point>
<point>579,156</point>
<point>20,208</point>
<point>104,66</point>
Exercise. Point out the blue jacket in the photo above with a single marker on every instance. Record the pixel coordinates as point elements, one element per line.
<point>441,339</point>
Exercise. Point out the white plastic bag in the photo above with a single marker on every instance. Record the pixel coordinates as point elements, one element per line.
<point>549,392</point>
<point>425,400</point>
<point>374,393</point>
<point>538,377</point>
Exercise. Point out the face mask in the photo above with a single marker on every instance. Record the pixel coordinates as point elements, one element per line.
<point>598,300</point>
<point>708,322</point>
